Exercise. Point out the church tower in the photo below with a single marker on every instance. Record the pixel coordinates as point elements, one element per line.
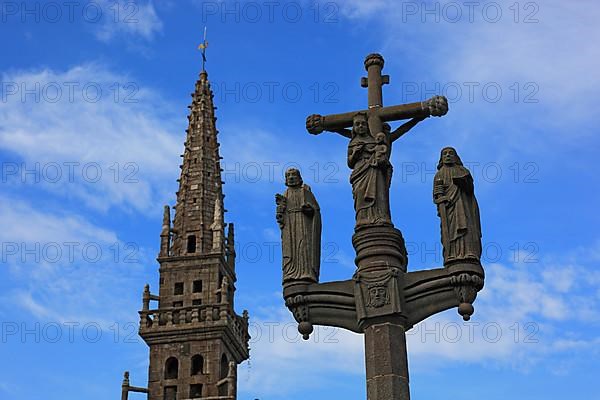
<point>195,337</point>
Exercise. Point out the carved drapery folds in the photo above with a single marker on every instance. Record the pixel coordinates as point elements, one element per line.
<point>453,193</point>
<point>368,157</point>
<point>299,218</point>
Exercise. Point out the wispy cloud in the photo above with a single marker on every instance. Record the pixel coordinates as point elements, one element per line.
<point>132,19</point>
<point>518,325</point>
<point>62,268</point>
<point>88,133</point>
<point>525,65</point>
<point>280,356</point>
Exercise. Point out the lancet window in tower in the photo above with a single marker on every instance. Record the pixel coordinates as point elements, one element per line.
<point>191,244</point>
<point>197,367</point>
<point>171,368</point>
<point>224,367</point>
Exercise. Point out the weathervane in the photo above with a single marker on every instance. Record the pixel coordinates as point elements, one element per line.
<point>202,47</point>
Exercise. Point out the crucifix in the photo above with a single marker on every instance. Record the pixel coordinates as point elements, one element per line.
<point>371,134</point>
<point>377,114</point>
<point>382,300</point>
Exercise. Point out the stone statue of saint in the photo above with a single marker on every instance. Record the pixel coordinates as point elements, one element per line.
<point>299,218</point>
<point>453,193</point>
<point>369,158</point>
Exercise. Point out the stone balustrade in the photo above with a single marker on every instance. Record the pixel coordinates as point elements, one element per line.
<point>174,317</point>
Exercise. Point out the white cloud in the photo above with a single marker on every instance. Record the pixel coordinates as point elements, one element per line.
<point>255,155</point>
<point>357,9</point>
<point>548,61</point>
<point>84,121</point>
<point>279,355</point>
<point>130,18</point>
<point>55,279</point>
<point>63,227</point>
<point>519,323</point>
<point>560,279</point>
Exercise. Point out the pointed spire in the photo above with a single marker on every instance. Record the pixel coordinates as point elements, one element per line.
<point>200,193</point>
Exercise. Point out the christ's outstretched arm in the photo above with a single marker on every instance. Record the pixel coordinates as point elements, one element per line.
<point>405,127</point>
<point>314,124</point>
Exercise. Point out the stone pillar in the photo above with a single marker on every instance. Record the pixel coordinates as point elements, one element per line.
<point>381,261</point>
<point>379,246</point>
<point>386,362</point>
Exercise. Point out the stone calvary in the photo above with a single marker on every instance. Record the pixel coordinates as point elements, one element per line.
<point>381,300</point>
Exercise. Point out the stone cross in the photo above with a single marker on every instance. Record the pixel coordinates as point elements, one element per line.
<point>370,144</point>
<point>377,114</point>
<point>382,300</point>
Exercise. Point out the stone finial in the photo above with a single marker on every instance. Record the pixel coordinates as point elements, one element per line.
<point>217,225</point>
<point>125,386</point>
<point>166,219</point>
<point>146,298</point>
<point>165,234</point>
<point>231,238</point>
<point>126,378</point>
<point>231,246</point>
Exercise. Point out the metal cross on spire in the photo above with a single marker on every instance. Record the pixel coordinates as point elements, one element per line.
<point>202,47</point>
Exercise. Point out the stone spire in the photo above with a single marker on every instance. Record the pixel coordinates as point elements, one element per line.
<point>200,187</point>
<point>196,338</point>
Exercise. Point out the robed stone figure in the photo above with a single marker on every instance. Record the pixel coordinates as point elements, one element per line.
<point>454,195</point>
<point>368,157</point>
<point>371,177</point>
<point>299,218</point>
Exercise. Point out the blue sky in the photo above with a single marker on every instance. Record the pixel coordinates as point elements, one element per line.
<point>93,104</point>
